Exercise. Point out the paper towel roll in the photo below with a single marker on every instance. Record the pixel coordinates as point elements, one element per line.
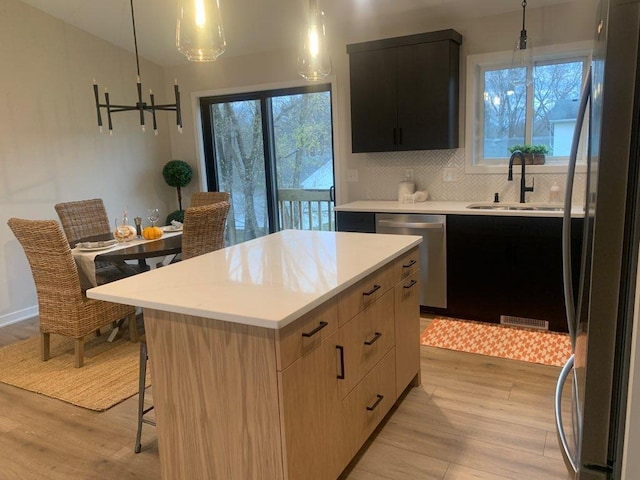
<point>404,188</point>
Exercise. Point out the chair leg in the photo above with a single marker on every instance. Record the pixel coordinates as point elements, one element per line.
<point>133,328</point>
<point>44,346</point>
<point>79,350</point>
<point>141,391</point>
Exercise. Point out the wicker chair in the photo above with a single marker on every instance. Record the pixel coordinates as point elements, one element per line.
<point>198,199</point>
<point>203,229</point>
<point>63,309</point>
<point>87,218</point>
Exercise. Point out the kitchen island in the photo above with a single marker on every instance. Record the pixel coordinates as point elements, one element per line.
<point>278,357</point>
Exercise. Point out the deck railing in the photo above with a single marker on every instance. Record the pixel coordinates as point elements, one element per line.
<point>303,209</point>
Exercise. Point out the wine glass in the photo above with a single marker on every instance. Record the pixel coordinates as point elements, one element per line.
<point>153,214</point>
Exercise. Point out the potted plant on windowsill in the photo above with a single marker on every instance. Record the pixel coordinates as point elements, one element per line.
<point>533,154</point>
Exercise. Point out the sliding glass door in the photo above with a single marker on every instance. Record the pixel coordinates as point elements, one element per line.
<point>273,151</point>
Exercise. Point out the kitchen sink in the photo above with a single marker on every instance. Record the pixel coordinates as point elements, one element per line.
<point>549,207</point>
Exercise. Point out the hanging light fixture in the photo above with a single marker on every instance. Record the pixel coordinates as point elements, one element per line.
<point>140,106</point>
<point>199,32</point>
<point>314,62</point>
<point>522,53</point>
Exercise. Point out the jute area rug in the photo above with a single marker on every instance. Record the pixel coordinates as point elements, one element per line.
<point>109,374</point>
<point>548,348</point>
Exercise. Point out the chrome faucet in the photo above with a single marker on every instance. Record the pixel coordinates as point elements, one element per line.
<point>523,183</point>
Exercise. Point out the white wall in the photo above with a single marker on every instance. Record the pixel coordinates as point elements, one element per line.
<point>50,148</point>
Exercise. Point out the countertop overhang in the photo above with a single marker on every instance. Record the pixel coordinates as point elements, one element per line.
<point>445,208</point>
<point>266,282</point>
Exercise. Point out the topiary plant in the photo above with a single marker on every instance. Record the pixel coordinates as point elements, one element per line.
<point>177,173</point>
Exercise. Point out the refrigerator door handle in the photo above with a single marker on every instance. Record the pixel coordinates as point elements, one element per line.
<point>566,218</point>
<point>562,437</point>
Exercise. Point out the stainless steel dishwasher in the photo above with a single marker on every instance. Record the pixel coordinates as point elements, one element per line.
<point>433,250</point>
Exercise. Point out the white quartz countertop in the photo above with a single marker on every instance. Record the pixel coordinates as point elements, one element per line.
<point>445,208</point>
<point>267,282</point>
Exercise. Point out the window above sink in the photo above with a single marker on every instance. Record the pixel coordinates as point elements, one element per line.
<point>524,105</point>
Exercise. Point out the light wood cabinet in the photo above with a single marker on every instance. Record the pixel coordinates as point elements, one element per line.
<point>366,338</point>
<point>368,403</point>
<point>311,430</point>
<point>236,402</point>
<point>407,331</point>
<point>364,293</point>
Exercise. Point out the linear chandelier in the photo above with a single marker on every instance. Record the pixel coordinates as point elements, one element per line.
<point>140,106</point>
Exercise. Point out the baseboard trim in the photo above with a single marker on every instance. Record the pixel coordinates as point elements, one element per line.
<point>19,316</point>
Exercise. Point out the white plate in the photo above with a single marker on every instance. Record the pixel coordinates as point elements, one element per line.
<point>171,228</point>
<point>93,249</point>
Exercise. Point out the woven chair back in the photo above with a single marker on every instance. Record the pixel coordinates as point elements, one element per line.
<point>83,218</point>
<point>203,229</point>
<point>199,199</point>
<point>54,272</point>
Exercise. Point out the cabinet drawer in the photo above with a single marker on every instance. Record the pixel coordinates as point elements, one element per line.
<point>406,265</point>
<point>364,293</point>
<point>368,403</point>
<point>305,334</point>
<point>365,340</point>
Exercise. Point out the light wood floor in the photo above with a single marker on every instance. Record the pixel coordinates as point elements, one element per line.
<point>475,417</point>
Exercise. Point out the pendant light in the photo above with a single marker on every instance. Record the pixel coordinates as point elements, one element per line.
<point>199,32</point>
<point>314,62</point>
<point>522,52</point>
<point>140,106</point>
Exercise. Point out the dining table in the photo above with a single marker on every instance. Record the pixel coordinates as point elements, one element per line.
<point>101,248</point>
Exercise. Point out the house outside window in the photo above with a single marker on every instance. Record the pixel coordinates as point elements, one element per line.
<point>512,105</point>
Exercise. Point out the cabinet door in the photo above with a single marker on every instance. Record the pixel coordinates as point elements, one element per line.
<point>428,96</point>
<point>363,222</point>
<point>507,266</point>
<point>373,100</point>
<point>407,313</point>
<point>310,415</point>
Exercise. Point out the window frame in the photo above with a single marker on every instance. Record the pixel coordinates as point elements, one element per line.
<point>476,65</point>
<point>262,94</point>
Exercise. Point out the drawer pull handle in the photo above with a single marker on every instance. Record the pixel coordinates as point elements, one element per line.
<point>376,403</point>
<point>320,326</point>
<point>410,264</point>
<point>340,348</point>
<point>411,284</point>
<point>372,291</point>
<point>374,339</point>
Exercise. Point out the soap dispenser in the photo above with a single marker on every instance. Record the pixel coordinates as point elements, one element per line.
<point>554,194</point>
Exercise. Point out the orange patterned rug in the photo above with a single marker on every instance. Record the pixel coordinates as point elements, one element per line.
<point>548,348</point>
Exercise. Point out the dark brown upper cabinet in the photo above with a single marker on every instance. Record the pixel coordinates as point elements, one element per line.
<point>404,92</point>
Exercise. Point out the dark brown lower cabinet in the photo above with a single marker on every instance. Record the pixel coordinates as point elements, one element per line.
<point>500,265</point>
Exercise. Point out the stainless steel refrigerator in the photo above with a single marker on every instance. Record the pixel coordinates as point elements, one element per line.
<point>600,301</point>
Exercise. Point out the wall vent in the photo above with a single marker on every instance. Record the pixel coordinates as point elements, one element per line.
<point>524,322</point>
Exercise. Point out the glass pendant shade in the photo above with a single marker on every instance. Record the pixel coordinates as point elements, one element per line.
<point>314,62</point>
<point>199,32</point>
